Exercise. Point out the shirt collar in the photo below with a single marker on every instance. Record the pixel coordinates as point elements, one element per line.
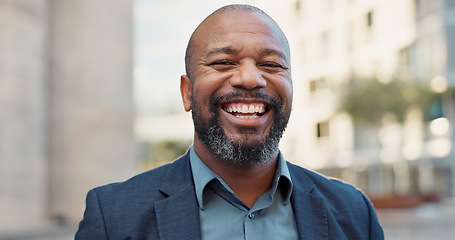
<point>202,175</point>
<point>283,179</point>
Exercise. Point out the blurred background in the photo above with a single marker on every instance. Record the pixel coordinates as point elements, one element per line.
<point>89,94</point>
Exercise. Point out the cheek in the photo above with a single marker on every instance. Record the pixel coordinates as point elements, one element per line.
<point>286,83</point>
<point>284,90</point>
<point>201,93</point>
<point>208,85</point>
<point>201,98</point>
<point>211,80</point>
<point>287,89</point>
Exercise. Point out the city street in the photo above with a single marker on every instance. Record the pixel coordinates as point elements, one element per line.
<point>426,222</point>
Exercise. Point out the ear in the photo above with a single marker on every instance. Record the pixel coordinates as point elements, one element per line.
<point>185,90</point>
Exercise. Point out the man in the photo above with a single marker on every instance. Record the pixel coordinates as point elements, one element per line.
<point>233,183</point>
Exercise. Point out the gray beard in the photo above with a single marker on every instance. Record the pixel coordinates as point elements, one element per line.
<point>236,152</point>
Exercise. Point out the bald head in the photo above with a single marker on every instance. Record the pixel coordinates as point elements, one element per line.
<point>196,38</point>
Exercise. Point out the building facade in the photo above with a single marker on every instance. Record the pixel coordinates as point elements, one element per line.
<point>337,44</point>
<point>66,107</point>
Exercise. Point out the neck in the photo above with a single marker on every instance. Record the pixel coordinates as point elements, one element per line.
<point>247,182</point>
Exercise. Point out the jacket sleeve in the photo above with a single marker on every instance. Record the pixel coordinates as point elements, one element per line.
<point>92,225</point>
<point>376,232</point>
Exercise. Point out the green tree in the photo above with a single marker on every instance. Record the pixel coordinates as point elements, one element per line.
<point>369,100</point>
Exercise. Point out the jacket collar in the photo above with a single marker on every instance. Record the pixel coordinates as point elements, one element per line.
<point>178,214</point>
<point>310,210</point>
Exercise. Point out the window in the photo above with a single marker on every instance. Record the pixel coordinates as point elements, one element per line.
<point>322,129</point>
<point>436,109</point>
<point>317,84</point>
<point>369,22</point>
<point>298,6</point>
<point>369,19</point>
<point>297,9</point>
<point>407,62</point>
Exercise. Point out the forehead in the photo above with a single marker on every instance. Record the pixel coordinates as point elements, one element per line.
<point>238,28</point>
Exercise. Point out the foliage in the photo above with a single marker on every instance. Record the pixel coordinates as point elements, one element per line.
<point>368,101</point>
<point>157,153</point>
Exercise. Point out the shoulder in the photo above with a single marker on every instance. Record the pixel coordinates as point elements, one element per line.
<point>349,212</point>
<point>333,191</point>
<point>142,186</point>
<point>124,208</point>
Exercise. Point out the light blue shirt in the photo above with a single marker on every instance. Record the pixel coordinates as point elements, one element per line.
<point>224,216</point>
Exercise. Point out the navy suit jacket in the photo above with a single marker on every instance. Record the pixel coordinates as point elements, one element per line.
<point>162,204</point>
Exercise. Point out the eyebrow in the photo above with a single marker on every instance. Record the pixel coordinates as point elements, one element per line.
<point>271,51</point>
<point>231,50</point>
<point>226,50</point>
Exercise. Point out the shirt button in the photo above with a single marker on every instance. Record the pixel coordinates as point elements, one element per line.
<point>251,215</point>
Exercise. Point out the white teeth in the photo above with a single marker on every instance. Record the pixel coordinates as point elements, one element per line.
<point>245,109</point>
<point>251,109</point>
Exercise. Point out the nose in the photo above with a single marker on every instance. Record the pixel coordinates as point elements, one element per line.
<point>248,76</point>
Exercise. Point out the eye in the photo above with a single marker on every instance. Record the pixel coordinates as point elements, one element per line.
<point>222,65</point>
<point>272,67</point>
<point>221,62</point>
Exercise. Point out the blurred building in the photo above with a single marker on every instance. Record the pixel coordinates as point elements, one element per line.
<point>337,43</point>
<point>66,107</point>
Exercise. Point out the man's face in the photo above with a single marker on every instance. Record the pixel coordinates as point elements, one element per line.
<point>241,88</point>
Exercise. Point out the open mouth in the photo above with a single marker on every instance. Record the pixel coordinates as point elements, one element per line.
<point>245,110</point>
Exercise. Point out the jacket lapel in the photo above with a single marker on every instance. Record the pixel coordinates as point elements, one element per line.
<point>310,211</point>
<point>178,214</point>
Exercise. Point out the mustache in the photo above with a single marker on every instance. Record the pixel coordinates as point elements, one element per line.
<point>215,100</point>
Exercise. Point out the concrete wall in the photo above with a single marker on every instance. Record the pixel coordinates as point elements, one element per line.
<point>23,108</point>
<point>66,106</point>
<point>91,138</point>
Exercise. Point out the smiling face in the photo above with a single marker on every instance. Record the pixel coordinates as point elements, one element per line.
<point>240,87</point>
